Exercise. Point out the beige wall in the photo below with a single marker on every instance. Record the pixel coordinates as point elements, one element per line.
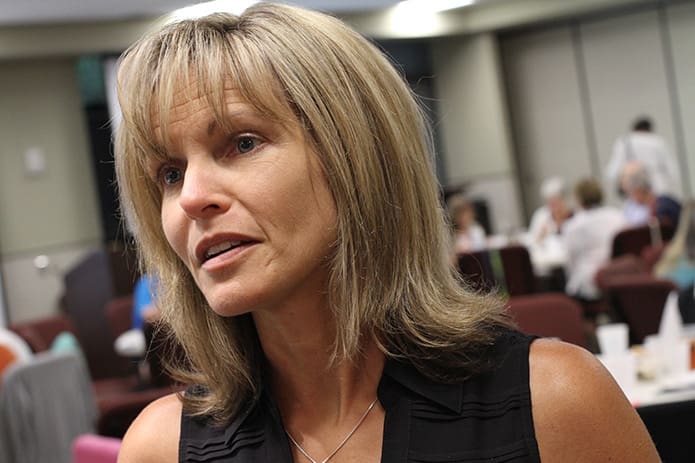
<point>55,211</point>
<point>681,26</point>
<point>544,92</point>
<point>474,126</point>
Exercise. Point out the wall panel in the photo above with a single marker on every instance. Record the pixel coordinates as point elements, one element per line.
<point>681,25</point>
<point>626,75</point>
<point>544,98</point>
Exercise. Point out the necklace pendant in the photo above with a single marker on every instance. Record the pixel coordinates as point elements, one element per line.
<point>342,443</point>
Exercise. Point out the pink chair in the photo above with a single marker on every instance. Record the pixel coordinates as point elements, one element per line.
<point>90,448</point>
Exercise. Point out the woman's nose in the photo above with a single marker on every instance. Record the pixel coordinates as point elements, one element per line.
<point>203,194</point>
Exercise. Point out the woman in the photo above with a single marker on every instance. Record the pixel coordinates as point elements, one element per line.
<point>275,171</point>
<point>468,234</point>
<point>588,237</point>
<point>547,221</point>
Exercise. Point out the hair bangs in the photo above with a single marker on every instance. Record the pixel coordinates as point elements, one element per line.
<point>191,60</point>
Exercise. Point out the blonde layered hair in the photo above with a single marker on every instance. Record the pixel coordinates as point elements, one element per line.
<point>390,278</point>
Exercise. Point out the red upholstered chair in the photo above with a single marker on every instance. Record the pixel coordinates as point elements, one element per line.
<point>518,270</point>
<point>651,255</point>
<point>513,273</point>
<point>618,268</point>
<point>549,315</point>
<point>639,300</point>
<point>40,333</point>
<point>476,269</point>
<point>633,240</point>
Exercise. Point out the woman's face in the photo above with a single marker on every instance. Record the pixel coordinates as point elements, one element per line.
<point>248,212</point>
<point>465,218</point>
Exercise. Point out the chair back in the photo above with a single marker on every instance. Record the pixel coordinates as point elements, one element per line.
<point>44,405</point>
<point>91,448</point>
<point>89,286</point>
<point>549,315</point>
<point>476,270</point>
<point>508,268</point>
<point>633,240</point>
<point>119,314</point>
<point>627,265</point>
<point>639,300</point>
<point>39,334</point>
<point>518,270</point>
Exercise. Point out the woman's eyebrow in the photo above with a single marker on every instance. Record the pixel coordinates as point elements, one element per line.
<point>231,119</point>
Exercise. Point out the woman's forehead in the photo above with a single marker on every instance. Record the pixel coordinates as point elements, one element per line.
<point>189,96</point>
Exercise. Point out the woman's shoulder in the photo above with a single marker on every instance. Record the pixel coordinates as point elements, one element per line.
<point>579,412</point>
<point>154,435</point>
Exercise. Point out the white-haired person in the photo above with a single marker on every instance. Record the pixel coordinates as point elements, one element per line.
<point>637,184</point>
<point>548,219</point>
<point>276,172</point>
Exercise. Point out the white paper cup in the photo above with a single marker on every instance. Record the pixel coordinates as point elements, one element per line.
<point>678,358</point>
<point>613,338</point>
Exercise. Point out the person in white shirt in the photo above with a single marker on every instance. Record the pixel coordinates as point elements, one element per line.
<point>469,235</point>
<point>649,149</point>
<point>547,220</point>
<point>588,237</point>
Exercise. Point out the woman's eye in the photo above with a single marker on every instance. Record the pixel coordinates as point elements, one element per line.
<point>171,175</point>
<point>246,144</point>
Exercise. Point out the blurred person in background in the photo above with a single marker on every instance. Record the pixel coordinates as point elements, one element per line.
<point>677,262</point>
<point>588,237</point>
<point>144,307</point>
<point>469,235</point>
<point>642,145</point>
<point>548,219</point>
<point>638,188</point>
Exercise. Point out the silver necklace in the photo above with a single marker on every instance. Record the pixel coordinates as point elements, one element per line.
<point>340,446</point>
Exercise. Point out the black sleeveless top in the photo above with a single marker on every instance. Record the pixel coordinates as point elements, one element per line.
<point>487,418</point>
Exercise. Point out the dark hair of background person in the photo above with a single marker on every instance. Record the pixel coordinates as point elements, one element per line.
<point>643,124</point>
<point>589,193</point>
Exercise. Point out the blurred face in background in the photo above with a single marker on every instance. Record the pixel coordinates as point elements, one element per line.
<point>558,207</point>
<point>465,218</point>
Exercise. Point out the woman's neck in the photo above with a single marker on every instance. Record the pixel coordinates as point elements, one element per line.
<point>310,389</point>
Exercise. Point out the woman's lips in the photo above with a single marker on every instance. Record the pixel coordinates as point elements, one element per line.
<point>228,257</point>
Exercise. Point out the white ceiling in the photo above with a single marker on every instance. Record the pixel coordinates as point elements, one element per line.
<point>16,12</point>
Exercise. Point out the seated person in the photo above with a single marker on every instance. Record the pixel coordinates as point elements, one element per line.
<point>469,235</point>
<point>132,343</point>
<point>677,263</point>
<point>144,309</point>
<point>548,219</point>
<point>638,188</point>
<point>636,214</point>
<point>588,237</point>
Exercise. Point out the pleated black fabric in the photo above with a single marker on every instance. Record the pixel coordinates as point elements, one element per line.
<point>487,418</point>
